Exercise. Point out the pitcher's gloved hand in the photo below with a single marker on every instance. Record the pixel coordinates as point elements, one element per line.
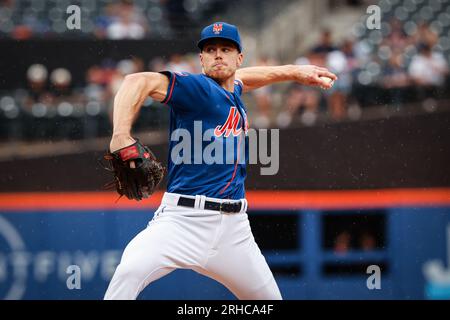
<point>137,173</point>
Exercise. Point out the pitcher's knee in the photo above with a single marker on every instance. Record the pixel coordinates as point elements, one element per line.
<point>130,279</point>
<point>126,282</point>
<point>134,273</point>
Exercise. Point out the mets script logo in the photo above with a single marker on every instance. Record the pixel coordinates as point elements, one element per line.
<point>217,28</point>
<point>231,125</point>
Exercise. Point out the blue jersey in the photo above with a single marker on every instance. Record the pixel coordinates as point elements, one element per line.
<point>208,146</point>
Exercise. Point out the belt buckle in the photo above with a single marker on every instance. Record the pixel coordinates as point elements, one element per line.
<point>234,209</point>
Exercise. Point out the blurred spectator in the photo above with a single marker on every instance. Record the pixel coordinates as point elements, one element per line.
<point>22,32</point>
<point>395,78</point>
<point>325,44</point>
<point>362,51</point>
<point>108,67</point>
<point>61,80</point>
<point>66,99</point>
<point>139,64</point>
<point>397,39</point>
<point>96,75</point>
<point>349,52</point>
<point>367,241</point>
<point>157,64</point>
<point>28,25</point>
<point>95,82</point>
<point>337,96</point>
<point>428,71</point>
<point>428,68</point>
<point>349,76</point>
<point>178,64</point>
<point>105,19</point>
<point>129,24</point>
<point>126,66</point>
<point>395,73</point>
<point>37,81</point>
<point>342,242</point>
<point>263,100</point>
<point>38,97</point>
<point>425,34</point>
<point>193,62</point>
<point>299,96</point>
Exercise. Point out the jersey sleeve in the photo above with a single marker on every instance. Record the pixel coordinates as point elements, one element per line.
<point>238,86</point>
<point>186,92</point>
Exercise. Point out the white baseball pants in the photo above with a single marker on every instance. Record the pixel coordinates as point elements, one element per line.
<point>218,245</point>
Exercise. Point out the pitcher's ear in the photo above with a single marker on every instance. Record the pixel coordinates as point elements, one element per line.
<point>240,59</point>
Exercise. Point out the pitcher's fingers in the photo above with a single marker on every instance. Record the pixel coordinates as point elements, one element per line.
<point>326,73</point>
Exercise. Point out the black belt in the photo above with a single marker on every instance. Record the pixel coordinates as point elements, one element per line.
<point>228,207</point>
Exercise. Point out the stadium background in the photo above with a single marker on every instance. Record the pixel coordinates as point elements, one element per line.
<point>364,173</point>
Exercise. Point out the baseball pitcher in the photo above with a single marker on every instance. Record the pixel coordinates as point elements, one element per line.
<point>202,222</point>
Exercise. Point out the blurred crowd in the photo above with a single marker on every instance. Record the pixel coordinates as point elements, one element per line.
<point>346,241</point>
<point>52,105</point>
<point>404,69</point>
<point>102,19</point>
<point>407,61</point>
<point>102,81</point>
<point>343,234</point>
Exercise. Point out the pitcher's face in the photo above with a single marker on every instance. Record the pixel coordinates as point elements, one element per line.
<point>220,59</point>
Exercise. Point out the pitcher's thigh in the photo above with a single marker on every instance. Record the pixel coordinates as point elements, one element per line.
<point>245,272</point>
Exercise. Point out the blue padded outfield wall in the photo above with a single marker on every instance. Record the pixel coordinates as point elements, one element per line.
<point>36,247</point>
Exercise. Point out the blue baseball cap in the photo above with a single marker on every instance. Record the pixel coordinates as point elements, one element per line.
<point>221,30</point>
